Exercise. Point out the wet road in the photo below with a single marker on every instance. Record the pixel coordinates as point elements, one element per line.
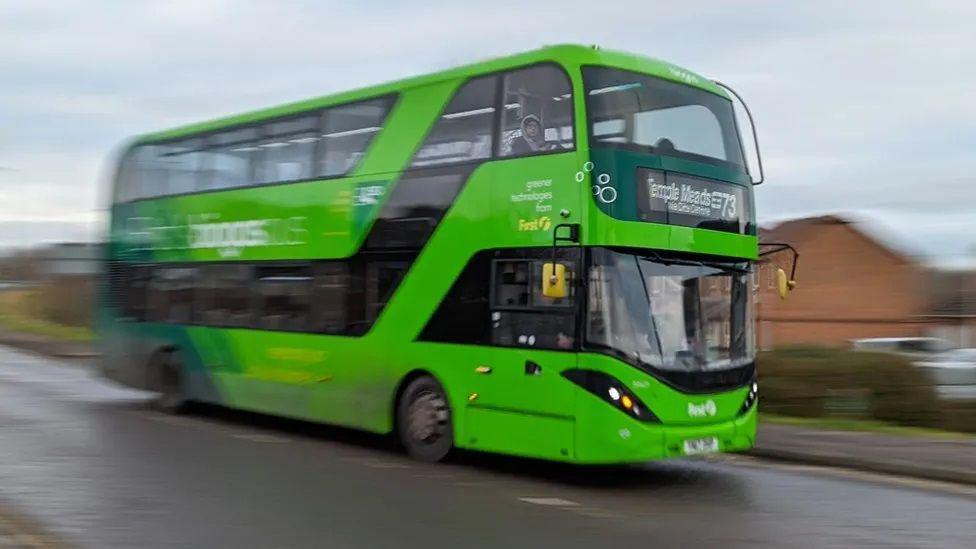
<point>90,462</point>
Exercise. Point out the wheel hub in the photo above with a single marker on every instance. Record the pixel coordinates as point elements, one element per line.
<point>427,417</point>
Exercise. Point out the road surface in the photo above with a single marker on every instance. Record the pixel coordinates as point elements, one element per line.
<point>92,464</point>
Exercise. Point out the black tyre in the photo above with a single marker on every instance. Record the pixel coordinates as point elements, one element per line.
<point>171,384</point>
<point>424,421</point>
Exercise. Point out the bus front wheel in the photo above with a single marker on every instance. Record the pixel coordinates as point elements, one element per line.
<point>424,422</point>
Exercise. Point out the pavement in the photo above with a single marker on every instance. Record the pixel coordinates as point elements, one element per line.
<point>933,458</point>
<point>91,465</point>
<point>47,345</point>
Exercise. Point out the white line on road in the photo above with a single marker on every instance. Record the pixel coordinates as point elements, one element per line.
<point>554,502</point>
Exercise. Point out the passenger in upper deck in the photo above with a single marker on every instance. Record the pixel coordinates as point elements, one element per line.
<point>533,137</point>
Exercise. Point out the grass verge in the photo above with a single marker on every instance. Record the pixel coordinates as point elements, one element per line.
<point>17,314</point>
<point>865,425</point>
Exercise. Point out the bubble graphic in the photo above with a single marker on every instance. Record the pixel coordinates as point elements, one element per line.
<point>608,195</point>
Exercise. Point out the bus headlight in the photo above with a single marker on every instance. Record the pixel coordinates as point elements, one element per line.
<point>751,398</point>
<point>613,392</point>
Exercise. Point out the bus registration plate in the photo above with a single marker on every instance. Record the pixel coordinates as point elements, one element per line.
<point>707,445</point>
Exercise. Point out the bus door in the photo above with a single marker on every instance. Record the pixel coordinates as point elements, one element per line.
<point>521,403</point>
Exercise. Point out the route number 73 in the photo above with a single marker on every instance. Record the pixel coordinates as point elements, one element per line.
<point>725,203</point>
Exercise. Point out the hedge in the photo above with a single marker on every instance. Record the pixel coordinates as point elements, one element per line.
<point>824,382</point>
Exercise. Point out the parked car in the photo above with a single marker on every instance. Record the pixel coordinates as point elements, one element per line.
<point>953,372</point>
<point>914,347</point>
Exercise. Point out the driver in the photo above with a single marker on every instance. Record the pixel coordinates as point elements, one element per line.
<point>532,138</point>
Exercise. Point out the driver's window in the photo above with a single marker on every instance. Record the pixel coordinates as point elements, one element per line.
<point>521,318</point>
<point>537,112</point>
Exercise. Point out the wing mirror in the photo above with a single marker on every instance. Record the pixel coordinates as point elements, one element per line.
<point>783,283</point>
<point>554,280</point>
<point>553,273</point>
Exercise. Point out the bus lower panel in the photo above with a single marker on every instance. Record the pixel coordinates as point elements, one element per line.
<point>603,438</point>
<point>598,437</point>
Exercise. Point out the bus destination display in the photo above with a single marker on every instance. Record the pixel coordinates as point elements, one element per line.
<point>674,199</point>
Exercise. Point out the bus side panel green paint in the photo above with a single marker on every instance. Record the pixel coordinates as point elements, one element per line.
<point>514,433</point>
<point>348,380</point>
<point>468,227</point>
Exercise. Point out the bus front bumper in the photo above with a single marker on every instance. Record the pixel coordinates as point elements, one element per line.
<point>616,438</point>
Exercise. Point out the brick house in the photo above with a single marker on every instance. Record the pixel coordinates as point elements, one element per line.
<point>954,307</point>
<point>850,285</point>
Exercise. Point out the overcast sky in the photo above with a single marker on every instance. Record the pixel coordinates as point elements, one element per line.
<point>862,107</point>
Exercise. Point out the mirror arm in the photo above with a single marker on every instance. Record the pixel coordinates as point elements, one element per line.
<point>779,247</point>
<point>752,126</point>
<point>573,237</point>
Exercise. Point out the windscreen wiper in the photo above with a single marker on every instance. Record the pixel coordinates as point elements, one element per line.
<point>650,311</point>
<point>692,262</point>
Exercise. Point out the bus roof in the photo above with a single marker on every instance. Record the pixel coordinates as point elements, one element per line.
<point>567,54</point>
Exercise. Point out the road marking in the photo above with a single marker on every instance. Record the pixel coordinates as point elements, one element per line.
<point>553,502</point>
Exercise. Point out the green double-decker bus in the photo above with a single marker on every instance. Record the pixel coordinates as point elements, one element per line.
<point>546,255</point>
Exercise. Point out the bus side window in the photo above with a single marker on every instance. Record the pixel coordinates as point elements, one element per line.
<point>541,97</point>
<point>331,303</point>
<point>518,284</point>
<point>463,314</point>
<point>347,132</point>
<point>520,318</point>
<point>610,130</point>
<point>180,162</point>
<point>149,177</point>
<point>284,294</point>
<point>382,277</point>
<point>230,296</point>
<point>228,159</point>
<point>512,284</point>
<point>134,292</point>
<point>126,178</point>
<point>288,150</point>
<point>172,294</point>
<point>464,130</point>
<point>533,329</point>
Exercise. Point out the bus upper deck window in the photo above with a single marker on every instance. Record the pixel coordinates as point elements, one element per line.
<point>537,116</point>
